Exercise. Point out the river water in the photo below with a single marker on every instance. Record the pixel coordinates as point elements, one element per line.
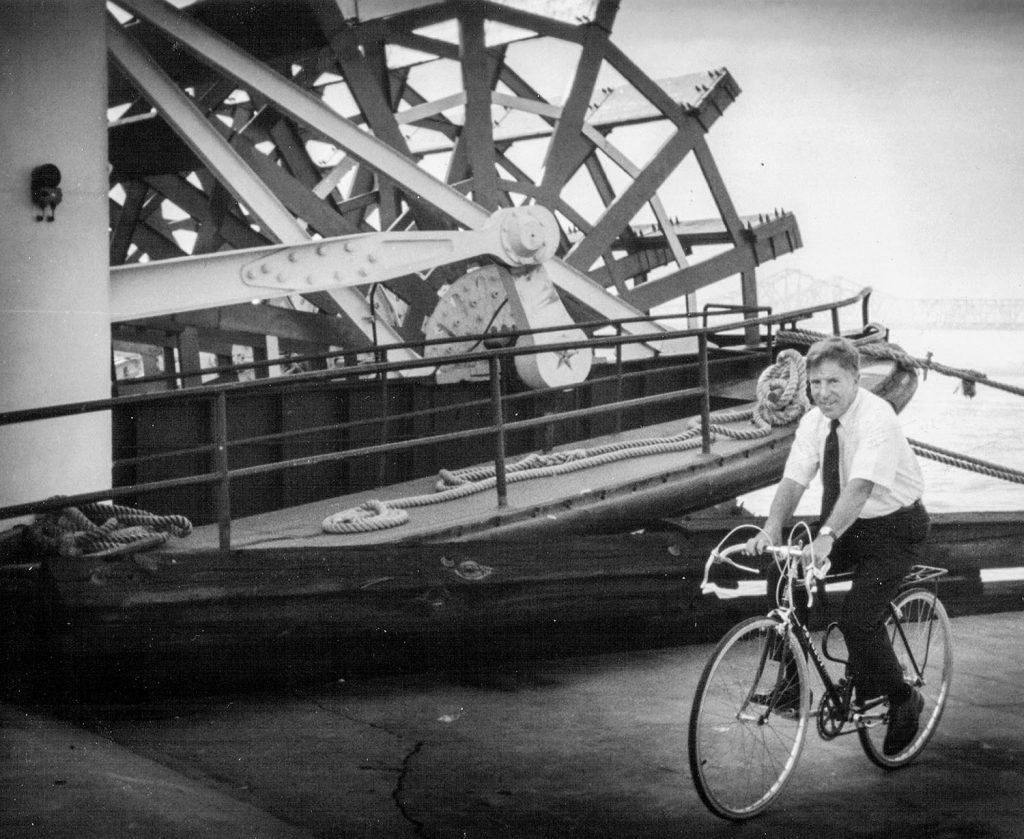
<point>987,426</point>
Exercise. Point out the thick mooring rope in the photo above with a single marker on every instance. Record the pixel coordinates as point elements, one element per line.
<point>103,530</point>
<point>970,464</point>
<point>781,400</point>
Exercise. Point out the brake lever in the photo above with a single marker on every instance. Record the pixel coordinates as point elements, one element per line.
<point>811,574</point>
<point>707,587</point>
<point>728,560</point>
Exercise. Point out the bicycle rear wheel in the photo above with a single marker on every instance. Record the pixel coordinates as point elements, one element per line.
<point>743,744</point>
<point>923,643</point>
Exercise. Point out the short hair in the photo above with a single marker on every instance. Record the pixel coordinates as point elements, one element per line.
<point>840,350</point>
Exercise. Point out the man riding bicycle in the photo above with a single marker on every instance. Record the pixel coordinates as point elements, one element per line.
<point>872,524</point>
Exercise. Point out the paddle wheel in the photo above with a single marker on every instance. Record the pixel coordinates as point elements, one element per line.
<point>243,128</point>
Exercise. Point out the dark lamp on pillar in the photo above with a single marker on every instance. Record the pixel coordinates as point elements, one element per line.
<point>46,192</point>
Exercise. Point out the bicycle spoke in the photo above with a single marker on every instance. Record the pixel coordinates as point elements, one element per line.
<point>922,641</point>
<point>742,751</point>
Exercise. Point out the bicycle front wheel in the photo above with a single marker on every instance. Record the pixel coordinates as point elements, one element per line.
<point>749,719</point>
<point>922,639</point>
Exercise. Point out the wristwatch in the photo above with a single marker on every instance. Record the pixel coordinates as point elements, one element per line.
<point>828,531</point>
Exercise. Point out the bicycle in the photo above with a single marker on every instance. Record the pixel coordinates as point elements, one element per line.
<point>745,739</point>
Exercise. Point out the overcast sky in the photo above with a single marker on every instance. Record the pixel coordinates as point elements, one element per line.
<point>894,129</point>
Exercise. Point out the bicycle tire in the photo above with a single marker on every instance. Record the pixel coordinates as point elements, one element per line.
<point>743,753</point>
<point>927,631</point>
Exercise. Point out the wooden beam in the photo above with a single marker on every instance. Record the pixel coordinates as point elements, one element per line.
<point>777,237</point>
<point>255,320</point>
<point>368,89</point>
<point>196,203</point>
<point>688,280</point>
<point>293,152</point>
<point>188,358</point>
<point>292,193</point>
<point>210,239</point>
<point>127,220</point>
<point>631,169</point>
<point>623,106</point>
<point>568,148</point>
<point>719,193</point>
<point>628,204</point>
<point>635,264</point>
<point>148,239</point>
<point>628,238</point>
<point>644,84</point>
<point>476,138</point>
<point>366,86</point>
<point>546,26</point>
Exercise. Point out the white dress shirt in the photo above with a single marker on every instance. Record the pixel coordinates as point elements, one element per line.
<point>872,446</point>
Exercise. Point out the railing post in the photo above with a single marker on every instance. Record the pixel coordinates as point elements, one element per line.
<point>381,356</point>
<point>220,439</point>
<point>835,321</point>
<point>705,396</point>
<point>618,378</point>
<point>499,430</point>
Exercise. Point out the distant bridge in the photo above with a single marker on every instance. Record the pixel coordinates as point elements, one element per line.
<point>957,313</point>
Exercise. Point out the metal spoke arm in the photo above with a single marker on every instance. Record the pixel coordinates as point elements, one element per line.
<point>518,237</point>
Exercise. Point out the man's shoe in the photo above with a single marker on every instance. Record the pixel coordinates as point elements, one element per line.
<point>903,724</point>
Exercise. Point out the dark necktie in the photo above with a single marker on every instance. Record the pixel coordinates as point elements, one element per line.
<point>830,471</point>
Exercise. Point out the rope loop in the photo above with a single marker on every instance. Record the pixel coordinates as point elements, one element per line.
<point>373,515</point>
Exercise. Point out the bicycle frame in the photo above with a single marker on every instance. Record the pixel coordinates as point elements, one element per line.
<point>840,695</point>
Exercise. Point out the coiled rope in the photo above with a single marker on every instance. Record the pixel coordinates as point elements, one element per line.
<point>102,530</point>
<point>781,400</point>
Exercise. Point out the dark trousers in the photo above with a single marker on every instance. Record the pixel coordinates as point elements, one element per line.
<point>879,552</point>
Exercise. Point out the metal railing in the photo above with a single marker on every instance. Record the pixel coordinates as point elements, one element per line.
<point>496,352</point>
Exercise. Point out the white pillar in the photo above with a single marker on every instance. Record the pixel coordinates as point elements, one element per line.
<point>54,276</point>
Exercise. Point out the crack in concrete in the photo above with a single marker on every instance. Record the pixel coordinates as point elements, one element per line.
<point>396,793</point>
<point>402,770</point>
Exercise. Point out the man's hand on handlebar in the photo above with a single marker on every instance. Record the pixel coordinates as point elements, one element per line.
<point>758,544</point>
<point>817,552</point>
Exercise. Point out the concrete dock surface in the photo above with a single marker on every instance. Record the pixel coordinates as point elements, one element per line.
<point>588,747</point>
